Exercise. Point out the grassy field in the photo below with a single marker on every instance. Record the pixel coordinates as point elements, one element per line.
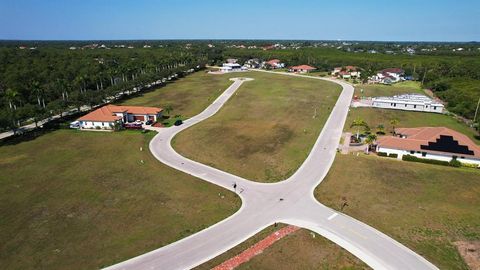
<point>375,117</point>
<point>300,250</point>
<point>83,200</point>
<point>426,207</point>
<point>266,130</point>
<point>376,90</point>
<point>188,96</point>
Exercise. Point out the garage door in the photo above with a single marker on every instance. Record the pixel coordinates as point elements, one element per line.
<point>139,117</point>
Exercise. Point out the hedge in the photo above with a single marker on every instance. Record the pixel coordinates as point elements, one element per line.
<point>383,154</point>
<point>453,162</point>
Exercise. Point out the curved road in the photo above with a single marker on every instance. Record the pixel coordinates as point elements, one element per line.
<point>290,201</point>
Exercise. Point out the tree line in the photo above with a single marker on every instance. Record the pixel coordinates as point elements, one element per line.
<point>455,79</point>
<point>35,84</point>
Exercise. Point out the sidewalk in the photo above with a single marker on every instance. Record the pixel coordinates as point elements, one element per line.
<point>256,249</point>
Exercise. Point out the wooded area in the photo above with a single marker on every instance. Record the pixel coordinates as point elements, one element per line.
<point>52,78</point>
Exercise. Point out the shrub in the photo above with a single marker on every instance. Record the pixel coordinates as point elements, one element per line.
<point>455,163</point>
<point>424,160</point>
<point>393,155</point>
<point>382,154</point>
<point>97,127</point>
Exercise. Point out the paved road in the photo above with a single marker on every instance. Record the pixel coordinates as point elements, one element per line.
<point>290,201</point>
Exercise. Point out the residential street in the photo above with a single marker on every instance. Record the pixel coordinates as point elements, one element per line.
<point>290,201</point>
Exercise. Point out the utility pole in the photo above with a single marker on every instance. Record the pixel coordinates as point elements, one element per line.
<point>476,111</point>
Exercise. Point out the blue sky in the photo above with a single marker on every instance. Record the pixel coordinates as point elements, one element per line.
<point>408,20</point>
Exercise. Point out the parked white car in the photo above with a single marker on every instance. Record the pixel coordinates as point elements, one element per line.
<point>75,124</point>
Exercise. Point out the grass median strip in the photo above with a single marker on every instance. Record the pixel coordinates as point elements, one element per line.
<point>266,130</point>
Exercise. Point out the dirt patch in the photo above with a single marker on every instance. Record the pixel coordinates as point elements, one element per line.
<point>470,251</point>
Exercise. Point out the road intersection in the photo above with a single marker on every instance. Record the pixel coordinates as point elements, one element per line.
<point>290,201</point>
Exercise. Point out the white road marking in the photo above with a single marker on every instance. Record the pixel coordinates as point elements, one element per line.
<point>332,216</point>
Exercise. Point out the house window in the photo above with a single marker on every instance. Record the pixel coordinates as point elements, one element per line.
<point>462,157</point>
<point>394,104</point>
<point>414,106</point>
<point>424,154</point>
<point>412,152</point>
<point>405,105</point>
<point>434,107</point>
<point>103,124</point>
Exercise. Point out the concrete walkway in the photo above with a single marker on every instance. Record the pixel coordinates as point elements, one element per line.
<point>290,201</point>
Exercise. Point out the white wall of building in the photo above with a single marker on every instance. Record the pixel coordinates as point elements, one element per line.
<point>402,104</point>
<point>447,158</point>
<point>94,125</point>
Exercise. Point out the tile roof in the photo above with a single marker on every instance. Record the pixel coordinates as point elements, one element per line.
<point>429,139</point>
<point>303,67</point>
<point>107,113</point>
<point>273,62</point>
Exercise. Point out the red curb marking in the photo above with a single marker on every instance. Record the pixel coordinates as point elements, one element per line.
<point>256,249</point>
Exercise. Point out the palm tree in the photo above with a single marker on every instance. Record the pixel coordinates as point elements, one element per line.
<point>358,123</point>
<point>370,140</point>
<point>381,129</point>
<point>394,122</point>
<point>168,109</point>
<point>11,96</point>
<point>38,91</point>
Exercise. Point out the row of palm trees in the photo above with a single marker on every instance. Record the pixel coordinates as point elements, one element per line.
<point>371,137</point>
<point>57,96</point>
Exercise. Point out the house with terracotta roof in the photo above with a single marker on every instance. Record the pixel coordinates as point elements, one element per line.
<point>107,116</point>
<point>346,72</point>
<point>439,143</point>
<point>275,63</point>
<point>301,69</point>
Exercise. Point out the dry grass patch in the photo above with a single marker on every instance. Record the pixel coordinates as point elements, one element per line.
<point>426,207</point>
<point>84,200</point>
<point>266,130</point>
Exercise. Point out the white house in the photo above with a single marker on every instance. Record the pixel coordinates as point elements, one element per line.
<point>252,63</point>
<point>408,102</point>
<point>388,76</point>
<point>232,67</point>
<point>275,63</point>
<point>107,116</point>
<point>439,143</point>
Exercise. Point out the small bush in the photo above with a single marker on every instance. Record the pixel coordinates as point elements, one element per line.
<point>393,155</point>
<point>424,160</point>
<point>382,154</point>
<point>97,127</point>
<point>455,163</point>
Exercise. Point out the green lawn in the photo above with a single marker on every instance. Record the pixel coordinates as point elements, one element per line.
<point>376,90</point>
<point>84,200</point>
<point>188,96</point>
<point>299,250</point>
<point>266,130</point>
<point>426,207</point>
<point>375,117</point>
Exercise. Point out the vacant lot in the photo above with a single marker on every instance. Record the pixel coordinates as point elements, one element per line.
<point>376,90</point>
<point>375,117</point>
<point>188,96</point>
<point>83,200</point>
<point>300,250</point>
<point>266,130</point>
<point>426,207</point>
